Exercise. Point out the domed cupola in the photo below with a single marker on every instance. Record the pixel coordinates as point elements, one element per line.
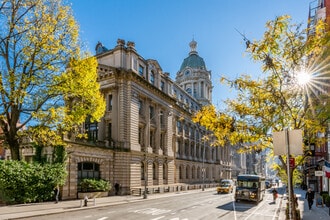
<point>193,60</point>
<point>194,78</point>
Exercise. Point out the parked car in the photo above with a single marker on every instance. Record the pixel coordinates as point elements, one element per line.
<point>226,186</point>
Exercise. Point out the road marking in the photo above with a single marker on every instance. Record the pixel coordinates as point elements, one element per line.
<point>254,211</point>
<point>103,218</point>
<point>234,207</point>
<point>160,217</point>
<point>178,219</point>
<point>151,211</point>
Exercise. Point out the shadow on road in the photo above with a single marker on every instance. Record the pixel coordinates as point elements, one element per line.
<point>242,206</point>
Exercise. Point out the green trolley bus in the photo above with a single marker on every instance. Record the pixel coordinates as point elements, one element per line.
<point>250,188</point>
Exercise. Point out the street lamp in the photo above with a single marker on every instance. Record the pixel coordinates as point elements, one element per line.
<point>145,173</point>
<point>203,169</point>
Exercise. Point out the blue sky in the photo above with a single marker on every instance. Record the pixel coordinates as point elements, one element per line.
<point>162,30</point>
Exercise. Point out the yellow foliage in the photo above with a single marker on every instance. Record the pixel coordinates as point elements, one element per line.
<point>272,102</point>
<point>39,39</point>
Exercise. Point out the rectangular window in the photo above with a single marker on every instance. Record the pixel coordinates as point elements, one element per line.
<point>161,115</point>
<point>141,70</point>
<point>162,86</point>
<point>140,106</point>
<point>178,125</point>
<point>151,110</point>
<point>162,141</point>
<point>186,129</point>
<point>92,131</point>
<point>152,139</point>
<point>110,102</point>
<point>134,64</point>
<point>152,78</point>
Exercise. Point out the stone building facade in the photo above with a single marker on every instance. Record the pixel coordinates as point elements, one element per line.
<point>146,139</point>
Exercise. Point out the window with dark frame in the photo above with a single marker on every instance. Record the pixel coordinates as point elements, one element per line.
<point>110,102</point>
<point>91,129</point>
<point>141,70</point>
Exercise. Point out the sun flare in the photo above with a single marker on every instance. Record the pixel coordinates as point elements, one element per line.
<point>303,78</point>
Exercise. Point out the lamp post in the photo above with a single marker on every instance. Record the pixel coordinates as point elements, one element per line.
<point>203,169</point>
<point>145,173</point>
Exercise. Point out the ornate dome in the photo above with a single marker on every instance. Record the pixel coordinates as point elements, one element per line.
<point>193,60</point>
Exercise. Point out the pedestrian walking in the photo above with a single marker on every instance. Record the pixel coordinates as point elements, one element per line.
<point>275,194</point>
<point>310,197</point>
<point>56,193</point>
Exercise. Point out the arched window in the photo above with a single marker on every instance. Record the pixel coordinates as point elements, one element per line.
<point>187,172</point>
<point>193,172</point>
<point>165,171</point>
<point>88,170</point>
<point>207,173</point>
<point>186,147</point>
<point>154,171</point>
<point>181,172</point>
<point>198,172</point>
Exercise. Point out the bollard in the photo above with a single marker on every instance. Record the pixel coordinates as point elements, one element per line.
<point>94,202</point>
<point>85,200</point>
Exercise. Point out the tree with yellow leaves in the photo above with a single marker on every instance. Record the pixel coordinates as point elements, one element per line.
<point>46,83</point>
<point>277,100</point>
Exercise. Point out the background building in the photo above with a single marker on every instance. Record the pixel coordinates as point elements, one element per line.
<point>319,10</point>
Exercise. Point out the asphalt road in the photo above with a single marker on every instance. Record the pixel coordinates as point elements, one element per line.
<point>204,205</point>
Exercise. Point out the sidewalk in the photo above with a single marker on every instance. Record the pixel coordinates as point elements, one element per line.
<point>316,213</point>
<point>22,211</point>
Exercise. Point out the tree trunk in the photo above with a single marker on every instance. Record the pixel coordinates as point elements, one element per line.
<point>292,197</point>
<point>14,149</point>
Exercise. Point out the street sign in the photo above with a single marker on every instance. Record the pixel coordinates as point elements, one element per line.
<point>283,138</point>
<point>291,162</point>
<point>318,173</point>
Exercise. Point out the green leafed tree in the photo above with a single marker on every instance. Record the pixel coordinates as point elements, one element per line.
<point>46,82</point>
<point>277,99</point>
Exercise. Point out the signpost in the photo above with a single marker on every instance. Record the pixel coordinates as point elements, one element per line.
<point>288,143</point>
<point>318,173</point>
